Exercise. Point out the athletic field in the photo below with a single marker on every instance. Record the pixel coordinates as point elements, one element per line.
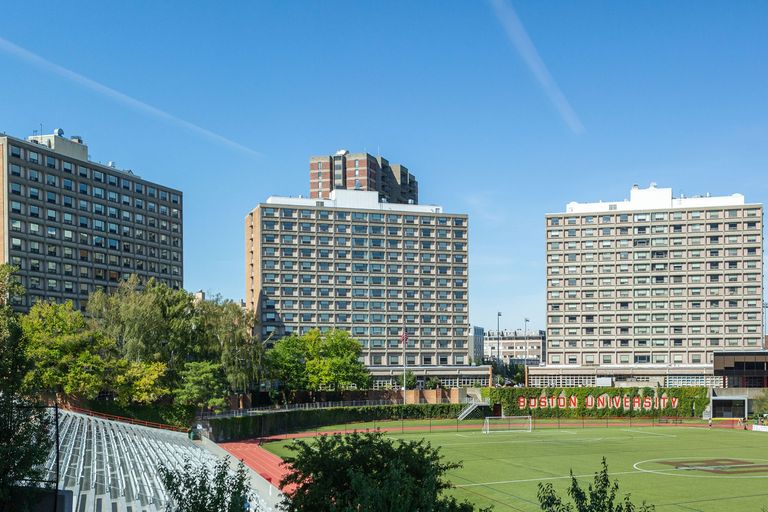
<point>675,468</point>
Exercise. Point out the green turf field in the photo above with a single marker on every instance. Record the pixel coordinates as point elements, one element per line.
<point>674,468</point>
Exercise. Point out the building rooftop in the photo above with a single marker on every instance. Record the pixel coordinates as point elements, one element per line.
<point>72,147</point>
<point>654,198</point>
<point>354,199</point>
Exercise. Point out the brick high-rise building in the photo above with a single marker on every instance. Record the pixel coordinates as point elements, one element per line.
<point>72,225</point>
<point>646,290</point>
<point>361,171</point>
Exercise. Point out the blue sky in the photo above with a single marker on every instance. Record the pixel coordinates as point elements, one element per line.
<point>602,95</point>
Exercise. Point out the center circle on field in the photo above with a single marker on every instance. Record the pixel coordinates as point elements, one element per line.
<point>709,468</point>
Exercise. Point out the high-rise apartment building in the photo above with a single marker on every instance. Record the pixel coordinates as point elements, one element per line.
<point>72,225</point>
<point>375,269</point>
<point>647,289</point>
<point>361,171</point>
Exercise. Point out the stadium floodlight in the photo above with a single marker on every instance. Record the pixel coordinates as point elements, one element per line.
<point>507,424</point>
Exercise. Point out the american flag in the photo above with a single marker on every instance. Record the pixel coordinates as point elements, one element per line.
<point>404,337</point>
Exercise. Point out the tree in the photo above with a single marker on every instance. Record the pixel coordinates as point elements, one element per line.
<point>315,361</point>
<point>202,385</point>
<point>287,364</point>
<point>334,361</point>
<point>367,471</point>
<point>25,439</point>
<point>600,497</point>
<point>152,323</point>
<point>760,403</point>
<point>67,356</point>
<point>432,383</point>
<point>139,382</point>
<point>410,380</point>
<point>193,487</point>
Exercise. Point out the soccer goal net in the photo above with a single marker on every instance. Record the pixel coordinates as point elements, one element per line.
<point>506,424</point>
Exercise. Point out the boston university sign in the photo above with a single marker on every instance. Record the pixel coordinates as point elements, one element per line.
<point>624,402</point>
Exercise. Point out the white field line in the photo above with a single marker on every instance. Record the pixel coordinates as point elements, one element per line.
<point>544,441</point>
<point>648,433</point>
<point>635,471</point>
<point>541,479</point>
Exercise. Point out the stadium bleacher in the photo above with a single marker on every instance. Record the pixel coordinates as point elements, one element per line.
<point>112,466</point>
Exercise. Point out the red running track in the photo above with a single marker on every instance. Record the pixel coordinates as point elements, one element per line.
<point>265,463</point>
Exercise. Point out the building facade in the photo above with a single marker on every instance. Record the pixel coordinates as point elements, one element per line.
<point>476,337</point>
<point>646,290</point>
<point>517,346</point>
<point>361,171</point>
<point>374,268</point>
<point>72,225</point>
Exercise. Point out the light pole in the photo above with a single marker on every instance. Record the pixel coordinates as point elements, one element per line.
<point>525,342</point>
<point>498,336</point>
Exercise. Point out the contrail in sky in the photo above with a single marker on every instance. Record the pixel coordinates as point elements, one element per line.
<point>32,58</point>
<point>519,37</point>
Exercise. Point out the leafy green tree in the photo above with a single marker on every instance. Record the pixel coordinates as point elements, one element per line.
<point>315,361</point>
<point>67,356</point>
<point>760,403</point>
<point>287,363</point>
<point>334,361</point>
<point>152,323</point>
<point>195,488</point>
<point>140,383</point>
<point>432,383</point>
<point>367,471</point>
<point>232,331</point>
<point>600,496</point>
<point>410,380</point>
<point>202,385</point>
<point>25,439</point>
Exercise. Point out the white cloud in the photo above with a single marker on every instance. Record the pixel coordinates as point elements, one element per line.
<point>519,37</point>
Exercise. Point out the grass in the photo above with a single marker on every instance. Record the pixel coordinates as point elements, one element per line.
<point>675,468</point>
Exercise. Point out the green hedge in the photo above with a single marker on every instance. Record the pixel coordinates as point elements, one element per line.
<point>687,397</point>
<point>274,423</point>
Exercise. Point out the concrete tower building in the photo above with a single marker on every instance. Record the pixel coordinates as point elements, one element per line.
<point>72,225</point>
<point>646,290</point>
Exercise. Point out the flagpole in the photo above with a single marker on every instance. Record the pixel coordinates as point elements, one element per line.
<point>404,339</point>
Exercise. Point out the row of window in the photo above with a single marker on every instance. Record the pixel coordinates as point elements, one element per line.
<point>363,229</point>
<point>361,318</point>
<point>664,329</point>
<point>671,242</point>
<point>389,218</point>
<point>674,279</point>
<point>68,201</point>
<point>68,235</point>
<point>591,359</point>
<point>361,293</point>
<point>655,229</point>
<point>59,285</point>
<point>271,303</point>
<point>729,213</point>
<point>589,267</point>
<point>84,239</point>
<point>644,342</point>
<point>52,162</point>
<point>85,255</point>
<point>657,254</point>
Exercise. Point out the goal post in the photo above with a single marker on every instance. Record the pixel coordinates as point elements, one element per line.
<point>507,424</point>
